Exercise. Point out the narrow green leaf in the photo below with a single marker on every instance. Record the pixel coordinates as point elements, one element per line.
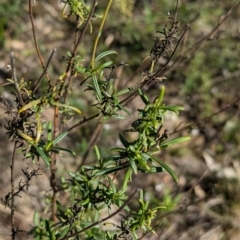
<point>175,109</point>
<point>143,97</point>
<point>36,219</point>
<point>124,91</point>
<point>174,141</point>
<point>97,152</point>
<point>127,178</point>
<point>123,140</point>
<point>64,149</point>
<point>64,231</point>
<point>103,54</point>
<point>160,97</point>
<point>133,165</point>
<point>29,105</point>
<point>168,169</point>
<point>45,158</point>
<point>111,170</point>
<point>66,106</point>
<point>77,176</point>
<point>49,131</point>
<point>60,137</point>
<point>119,116</point>
<point>104,65</point>
<point>143,162</point>
<point>97,89</point>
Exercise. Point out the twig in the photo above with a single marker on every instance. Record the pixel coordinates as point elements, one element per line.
<point>99,33</point>
<point>44,71</point>
<point>53,181</point>
<point>84,120</point>
<point>12,190</point>
<point>93,140</point>
<point>34,36</point>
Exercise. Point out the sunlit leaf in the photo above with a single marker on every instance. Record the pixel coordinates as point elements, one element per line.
<point>103,54</point>
<point>97,152</point>
<point>97,89</point>
<point>29,105</point>
<point>45,158</point>
<point>174,141</point>
<point>168,169</point>
<point>60,137</point>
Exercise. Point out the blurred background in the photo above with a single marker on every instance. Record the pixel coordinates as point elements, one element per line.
<point>203,76</point>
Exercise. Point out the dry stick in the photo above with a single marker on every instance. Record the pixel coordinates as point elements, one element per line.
<point>12,190</point>
<point>93,140</point>
<point>53,182</point>
<point>184,41</point>
<point>34,36</point>
<point>44,71</point>
<point>84,120</point>
<point>104,219</point>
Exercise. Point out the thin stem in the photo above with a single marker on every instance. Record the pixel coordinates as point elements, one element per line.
<point>54,166</point>
<point>44,71</point>
<point>84,120</point>
<point>12,191</point>
<point>93,140</point>
<point>99,33</point>
<point>34,36</point>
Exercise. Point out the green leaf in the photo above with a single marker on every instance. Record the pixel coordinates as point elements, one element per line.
<point>97,152</point>
<point>66,106</point>
<point>123,140</point>
<point>174,141</point>
<point>45,158</point>
<point>160,97</point>
<point>175,109</point>
<point>124,91</point>
<point>104,54</point>
<point>64,231</point>
<point>60,137</point>
<point>133,165</point>
<point>104,65</point>
<point>64,149</point>
<point>97,89</point>
<point>168,169</point>
<point>127,178</point>
<point>110,170</point>
<point>49,131</point>
<point>36,219</point>
<point>143,97</point>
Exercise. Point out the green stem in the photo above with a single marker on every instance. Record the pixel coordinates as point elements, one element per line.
<point>99,33</point>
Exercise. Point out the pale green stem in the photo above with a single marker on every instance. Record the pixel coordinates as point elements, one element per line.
<point>99,33</point>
